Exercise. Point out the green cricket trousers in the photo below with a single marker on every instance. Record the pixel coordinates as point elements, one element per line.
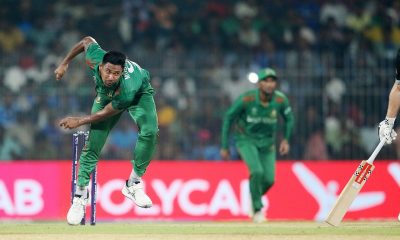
<point>261,164</point>
<point>143,112</point>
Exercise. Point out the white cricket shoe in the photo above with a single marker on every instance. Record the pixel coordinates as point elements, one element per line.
<point>77,210</point>
<point>137,194</point>
<point>259,217</point>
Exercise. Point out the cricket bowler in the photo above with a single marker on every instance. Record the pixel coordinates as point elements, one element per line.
<point>121,85</point>
<point>253,118</point>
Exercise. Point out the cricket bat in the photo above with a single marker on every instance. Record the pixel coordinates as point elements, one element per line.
<point>352,188</point>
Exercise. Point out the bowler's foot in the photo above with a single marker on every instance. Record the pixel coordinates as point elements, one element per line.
<point>137,194</point>
<point>77,210</point>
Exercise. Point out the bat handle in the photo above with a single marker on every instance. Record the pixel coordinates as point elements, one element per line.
<point>376,151</point>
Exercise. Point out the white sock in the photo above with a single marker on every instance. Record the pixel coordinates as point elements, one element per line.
<point>133,178</point>
<point>82,191</point>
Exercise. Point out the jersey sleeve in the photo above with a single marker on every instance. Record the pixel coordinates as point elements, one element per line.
<point>94,55</point>
<point>287,114</point>
<point>230,115</point>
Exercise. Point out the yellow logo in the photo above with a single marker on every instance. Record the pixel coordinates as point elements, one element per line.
<point>98,99</point>
<point>273,114</point>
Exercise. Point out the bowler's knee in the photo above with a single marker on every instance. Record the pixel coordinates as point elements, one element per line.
<point>149,133</point>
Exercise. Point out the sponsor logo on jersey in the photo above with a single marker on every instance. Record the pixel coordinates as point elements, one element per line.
<point>253,117</point>
<point>265,120</point>
<point>98,99</point>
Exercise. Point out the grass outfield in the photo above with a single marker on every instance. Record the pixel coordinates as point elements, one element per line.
<point>200,230</point>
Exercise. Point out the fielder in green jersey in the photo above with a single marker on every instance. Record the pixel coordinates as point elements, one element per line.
<point>121,85</point>
<point>254,119</point>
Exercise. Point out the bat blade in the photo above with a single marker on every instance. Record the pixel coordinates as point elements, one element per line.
<point>349,193</point>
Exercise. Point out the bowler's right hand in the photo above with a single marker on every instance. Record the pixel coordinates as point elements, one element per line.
<point>70,122</point>
<point>386,132</point>
<point>60,71</point>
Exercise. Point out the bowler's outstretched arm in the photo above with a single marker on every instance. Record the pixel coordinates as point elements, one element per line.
<point>74,122</point>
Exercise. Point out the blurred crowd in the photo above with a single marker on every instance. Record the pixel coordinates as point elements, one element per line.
<point>334,58</point>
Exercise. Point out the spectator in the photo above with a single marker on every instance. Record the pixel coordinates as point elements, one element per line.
<point>335,10</point>
<point>10,149</point>
<point>11,38</point>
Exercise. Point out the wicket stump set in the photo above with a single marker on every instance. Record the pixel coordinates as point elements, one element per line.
<point>79,140</point>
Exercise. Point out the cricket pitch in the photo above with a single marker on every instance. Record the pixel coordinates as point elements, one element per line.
<point>200,230</point>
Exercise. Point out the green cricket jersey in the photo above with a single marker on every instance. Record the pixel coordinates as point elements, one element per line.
<point>134,81</point>
<point>254,122</point>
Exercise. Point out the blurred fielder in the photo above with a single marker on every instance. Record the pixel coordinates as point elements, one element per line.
<point>121,85</point>
<point>254,119</point>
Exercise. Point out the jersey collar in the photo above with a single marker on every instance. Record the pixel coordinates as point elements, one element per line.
<point>258,97</point>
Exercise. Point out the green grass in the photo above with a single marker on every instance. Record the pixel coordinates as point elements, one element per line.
<point>201,228</point>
